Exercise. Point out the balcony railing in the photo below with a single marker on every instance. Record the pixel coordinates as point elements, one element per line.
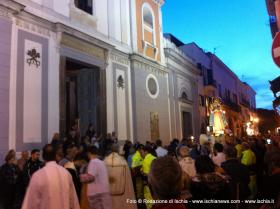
<point>245,103</point>
<point>232,105</point>
<point>211,82</point>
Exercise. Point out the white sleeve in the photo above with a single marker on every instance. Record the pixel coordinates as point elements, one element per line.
<point>93,169</point>
<point>33,194</point>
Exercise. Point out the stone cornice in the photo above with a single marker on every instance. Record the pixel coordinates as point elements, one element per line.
<point>169,53</point>
<point>27,21</point>
<point>12,6</point>
<point>183,74</point>
<point>119,57</point>
<point>143,63</point>
<point>83,46</point>
<point>68,30</point>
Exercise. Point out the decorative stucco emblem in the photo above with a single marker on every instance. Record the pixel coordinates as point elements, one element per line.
<point>34,56</point>
<point>120,82</point>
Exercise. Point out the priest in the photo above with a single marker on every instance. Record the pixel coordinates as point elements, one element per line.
<point>121,186</point>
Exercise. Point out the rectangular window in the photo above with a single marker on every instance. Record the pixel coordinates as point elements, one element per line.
<point>220,90</point>
<point>210,76</point>
<point>234,97</point>
<point>204,73</point>
<point>202,100</point>
<point>227,95</point>
<point>85,5</point>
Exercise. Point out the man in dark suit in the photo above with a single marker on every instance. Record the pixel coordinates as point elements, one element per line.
<point>239,174</point>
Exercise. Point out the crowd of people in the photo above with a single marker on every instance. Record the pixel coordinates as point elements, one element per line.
<point>93,172</point>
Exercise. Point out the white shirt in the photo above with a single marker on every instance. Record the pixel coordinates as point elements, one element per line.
<point>219,158</point>
<point>161,152</point>
<point>97,168</point>
<point>94,141</point>
<point>51,188</point>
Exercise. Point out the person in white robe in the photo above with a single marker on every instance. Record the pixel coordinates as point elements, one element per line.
<point>51,187</point>
<point>186,162</point>
<point>121,186</point>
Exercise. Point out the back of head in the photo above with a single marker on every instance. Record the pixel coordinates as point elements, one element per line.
<point>148,148</point>
<point>245,145</point>
<point>11,155</point>
<point>204,164</point>
<point>71,150</point>
<point>115,147</point>
<point>55,136</point>
<point>131,150</point>
<point>139,146</point>
<point>49,153</point>
<point>238,141</point>
<point>165,178</point>
<point>93,150</point>
<point>218,147</point>
<point>34,151</point>
<point>230,152</point>
<point>158,143</point>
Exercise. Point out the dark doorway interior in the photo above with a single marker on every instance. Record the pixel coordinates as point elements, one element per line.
<point>81,95</point>
<point>187,124</point>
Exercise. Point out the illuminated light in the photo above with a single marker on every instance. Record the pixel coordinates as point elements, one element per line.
<point>208,128</point>
<point>251,118</point>
<point>256,120</point>
<point>192,137</point>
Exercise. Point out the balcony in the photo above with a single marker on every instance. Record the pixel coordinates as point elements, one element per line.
<point>245,103</point>
<point>211,82</point>
<point>209,78</point>
<point>232,105</point>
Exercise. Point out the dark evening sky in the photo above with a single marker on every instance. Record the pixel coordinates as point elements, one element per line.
<point>240,32</point>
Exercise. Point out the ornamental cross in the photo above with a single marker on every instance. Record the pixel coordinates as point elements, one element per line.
<point>34,56</point>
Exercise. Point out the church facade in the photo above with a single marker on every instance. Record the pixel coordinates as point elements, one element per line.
<point>104,63</point>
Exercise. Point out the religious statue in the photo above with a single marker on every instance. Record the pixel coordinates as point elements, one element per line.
<point>217,117</point>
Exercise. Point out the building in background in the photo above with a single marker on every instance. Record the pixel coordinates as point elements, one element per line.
<point>183,78</point>
<point>273,8</point>
<point>238,98</point>
<point>269,122</point>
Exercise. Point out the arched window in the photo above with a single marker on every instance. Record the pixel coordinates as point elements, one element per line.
<point>184,96</point>
<point>148,28</point>
<point>148,18</point>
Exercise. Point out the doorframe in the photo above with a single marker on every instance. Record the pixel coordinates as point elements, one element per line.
<point>102,97</point>
<point>62,96</point>
<point>184,107</point>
